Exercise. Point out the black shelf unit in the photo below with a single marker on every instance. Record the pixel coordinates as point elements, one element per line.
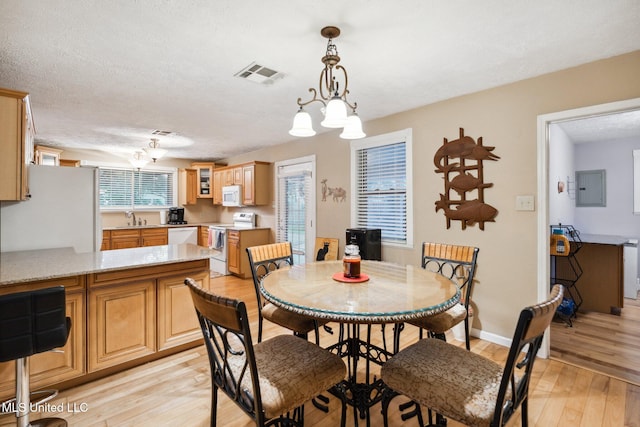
<point>566,270</point>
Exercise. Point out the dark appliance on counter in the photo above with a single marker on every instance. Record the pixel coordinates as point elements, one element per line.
<point>176,216</point>
<point>368,240</point>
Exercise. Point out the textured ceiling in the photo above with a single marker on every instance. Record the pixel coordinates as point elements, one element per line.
<point>105,74</point>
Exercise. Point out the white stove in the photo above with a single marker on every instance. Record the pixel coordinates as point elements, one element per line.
<point>218,240</point>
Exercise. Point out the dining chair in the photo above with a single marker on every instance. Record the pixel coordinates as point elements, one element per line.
<point>457,263</point>
<point>271,380</point>
<point>465,386</point>
<point>264,259</point>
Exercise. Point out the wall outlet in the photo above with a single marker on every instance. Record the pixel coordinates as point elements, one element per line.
<point>525,203</point>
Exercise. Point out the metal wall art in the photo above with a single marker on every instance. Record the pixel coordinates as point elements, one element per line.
<point>338,194</point>
<point>460,161</point>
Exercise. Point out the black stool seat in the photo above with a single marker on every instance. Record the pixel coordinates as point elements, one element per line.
<point>31,322</point>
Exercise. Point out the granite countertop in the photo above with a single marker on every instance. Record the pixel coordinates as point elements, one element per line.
<point>29,266</point>
<point>604,239</point>
<point>199,224</point>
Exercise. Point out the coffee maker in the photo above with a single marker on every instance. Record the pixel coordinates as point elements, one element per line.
<point>176,216</point>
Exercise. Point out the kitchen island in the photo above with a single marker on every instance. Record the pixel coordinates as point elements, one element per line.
<point>127,307</point>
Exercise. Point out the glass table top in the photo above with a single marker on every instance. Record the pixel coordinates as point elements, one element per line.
<point>393,293</point>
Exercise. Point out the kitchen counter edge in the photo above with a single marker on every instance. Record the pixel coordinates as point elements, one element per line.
<point>30,266</point>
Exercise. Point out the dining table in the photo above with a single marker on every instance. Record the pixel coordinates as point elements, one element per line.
<point>384,293</point>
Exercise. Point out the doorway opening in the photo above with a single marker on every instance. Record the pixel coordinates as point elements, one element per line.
<point>544,181</point>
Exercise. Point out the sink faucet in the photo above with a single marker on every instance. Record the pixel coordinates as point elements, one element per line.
<point>130,214</point>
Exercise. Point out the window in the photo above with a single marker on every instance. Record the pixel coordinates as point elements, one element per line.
<point>122,188</point>
<point>381,184</point>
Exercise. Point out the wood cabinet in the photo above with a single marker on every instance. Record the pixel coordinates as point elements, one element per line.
<point>70,163</point>
<point>177,320</point>
<point>121,323</point>
<point>237,243</point>
<point>154,236</point>
<point>254,177</point>
<point>62,364</point>
<point>134,238</point>
<point>203,236</point>
<point>602,283</point>
<point>217,186</point>
<point>187,186</point>
<point>16,144</point>
<point>106,240</point>
<point>136,313</point>
<point>47,156</point>
<point>204,180</point>
<point>125,238</point>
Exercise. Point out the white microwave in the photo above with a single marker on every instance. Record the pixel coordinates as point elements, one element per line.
<point>232,195</point>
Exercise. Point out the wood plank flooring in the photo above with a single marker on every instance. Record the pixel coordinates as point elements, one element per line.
<point>176,391</point>
<point>602,342</point>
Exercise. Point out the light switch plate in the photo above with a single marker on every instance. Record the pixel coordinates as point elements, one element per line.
<point>525,203</point>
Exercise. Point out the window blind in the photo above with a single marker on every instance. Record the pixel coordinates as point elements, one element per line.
<point>122,188</point>
<point>381,190</point>
<point>294,188</point>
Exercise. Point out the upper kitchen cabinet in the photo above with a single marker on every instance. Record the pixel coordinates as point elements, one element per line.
<point>254,177</point>
<point>256,184</point>
<point>204,172</point>
<point>16,144</point>
<point>187,186</point>
<point>47,156</point>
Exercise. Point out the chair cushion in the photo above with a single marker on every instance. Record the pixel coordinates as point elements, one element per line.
<point>292,371</point>
<point>288,319</point>
<point>450,380</point>
<point>442,322</point>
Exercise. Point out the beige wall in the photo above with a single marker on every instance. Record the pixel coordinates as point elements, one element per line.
<point>505,117</point>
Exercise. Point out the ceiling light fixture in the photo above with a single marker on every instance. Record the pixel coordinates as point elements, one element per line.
<point>154,151</point>
<point>138,160</point>
<point>334,101</point>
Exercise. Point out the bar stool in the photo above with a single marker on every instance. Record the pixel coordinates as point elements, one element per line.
<point>31,322</point>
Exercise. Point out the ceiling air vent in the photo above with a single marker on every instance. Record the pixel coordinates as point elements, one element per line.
<point>161,132</point>
<point>259,74</point>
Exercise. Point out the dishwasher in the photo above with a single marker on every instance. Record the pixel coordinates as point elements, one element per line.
<point>180,235</point>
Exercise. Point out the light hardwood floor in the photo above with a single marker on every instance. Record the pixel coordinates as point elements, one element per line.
<point>176,391</point>
<point>602,342</point>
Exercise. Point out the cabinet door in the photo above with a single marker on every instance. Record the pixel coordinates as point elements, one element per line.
<point>154,236</point>
<point>187,186</point>
<point>203,236</point>
<point>218,179</point>
<point>237,175</point>
<point>106,240</point>
<point>121,323</point>
<point>177,320</point>
<point>16,150</point>
<point>204,173</point>
<point>57,365</point>
<point>127,238</point>
<point>248,190</point>
<point>125,243</point>
<point>233,251</point>
<point>228,177</point>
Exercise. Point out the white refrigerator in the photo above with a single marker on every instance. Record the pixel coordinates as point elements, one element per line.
<point>63,211</point>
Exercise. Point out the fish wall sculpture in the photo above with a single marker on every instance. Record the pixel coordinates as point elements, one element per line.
<point>460,162</point>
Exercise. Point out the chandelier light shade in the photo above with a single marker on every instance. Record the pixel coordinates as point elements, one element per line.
<point>138,160</point>
<point>302,125</point>
<point>353,128</point>
<point>329,94</point>
<point>154,151</point>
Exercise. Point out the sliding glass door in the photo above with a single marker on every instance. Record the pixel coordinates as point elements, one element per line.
<point>295,206</point>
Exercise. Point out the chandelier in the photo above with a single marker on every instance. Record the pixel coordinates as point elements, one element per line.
<point>332,97</point>
<point>154,151</point>
<point>138,160</point>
